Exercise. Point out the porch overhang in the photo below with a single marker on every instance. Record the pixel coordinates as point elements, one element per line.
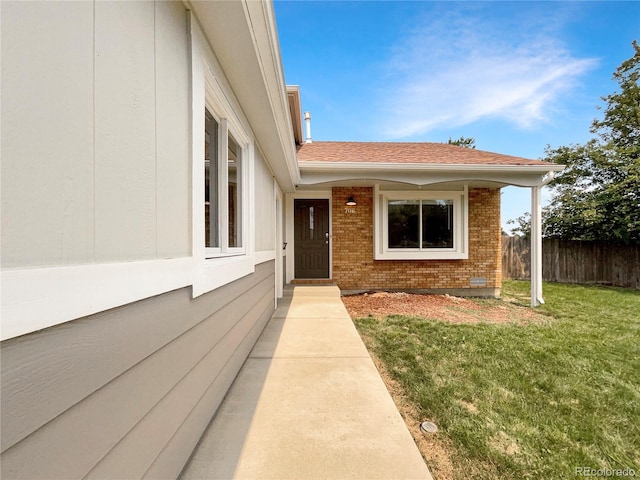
<point>319,175</point>
<point>326,174</point>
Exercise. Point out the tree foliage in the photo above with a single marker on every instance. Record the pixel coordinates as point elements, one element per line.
<point>466,142</point>
<point>522,225</point>
<point>597,196</point>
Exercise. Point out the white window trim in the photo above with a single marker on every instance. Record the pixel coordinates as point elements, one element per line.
<point>215,267</point>
<point>460,251</point>
<point>222,202</point>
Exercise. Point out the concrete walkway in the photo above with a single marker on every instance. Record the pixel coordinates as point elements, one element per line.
<point>308,404</point>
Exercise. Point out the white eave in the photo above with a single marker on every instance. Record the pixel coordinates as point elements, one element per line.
<point>339,173</point>
<point>293,94</point>
<point>253,67</point>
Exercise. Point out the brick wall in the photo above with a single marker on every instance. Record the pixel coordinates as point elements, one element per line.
<point>355,269</point>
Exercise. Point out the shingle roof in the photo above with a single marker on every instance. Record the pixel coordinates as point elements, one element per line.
<point>404,153</point>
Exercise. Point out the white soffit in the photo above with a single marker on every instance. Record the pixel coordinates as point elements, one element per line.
<point>293,94</point>
<point>252,64</point>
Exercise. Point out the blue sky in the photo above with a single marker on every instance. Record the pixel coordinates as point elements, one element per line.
<point>516,76</point>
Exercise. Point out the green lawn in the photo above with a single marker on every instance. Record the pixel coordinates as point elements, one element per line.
<point>517,401</point>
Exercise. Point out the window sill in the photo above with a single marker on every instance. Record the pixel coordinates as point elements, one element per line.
<point>212,273</point>
<point>418,255</point>
<point>218,255</point>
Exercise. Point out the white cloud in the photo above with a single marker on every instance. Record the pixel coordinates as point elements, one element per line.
<point>466,66</point>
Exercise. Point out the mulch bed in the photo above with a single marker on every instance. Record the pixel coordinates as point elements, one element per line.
<point>438,307</point>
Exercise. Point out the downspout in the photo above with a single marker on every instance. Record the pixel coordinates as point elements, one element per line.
<point>536,240</point>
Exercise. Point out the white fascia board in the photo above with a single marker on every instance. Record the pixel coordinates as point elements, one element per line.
<point>265,39</point>
<point>327,180</point>
<point>421,174</point>
<point>425,167</point>
<point>293,94</point>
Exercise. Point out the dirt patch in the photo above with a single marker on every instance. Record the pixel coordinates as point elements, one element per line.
<point>504,443</point>
<point>438,307</point>
<point>470,407</point>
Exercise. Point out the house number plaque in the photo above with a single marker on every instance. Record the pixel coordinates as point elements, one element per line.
<point>349,210</point>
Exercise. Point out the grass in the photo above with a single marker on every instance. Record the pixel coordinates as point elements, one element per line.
<point>517,401</point>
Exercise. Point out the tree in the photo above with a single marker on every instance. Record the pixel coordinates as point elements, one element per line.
<point>466,142</point>
<point>522,225</point>
<point>597,196</point>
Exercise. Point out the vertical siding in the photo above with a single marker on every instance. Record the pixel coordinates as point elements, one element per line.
<point>265,206</point>
<point>47,133</point>
<point>95,137</point>
<point>125,131</point>
<point>144,379</point>
<point>173,167</point>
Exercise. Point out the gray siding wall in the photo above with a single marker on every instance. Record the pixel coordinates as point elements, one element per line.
<point>95,132</point>
<point>127,393</point>
<point>264,206</point>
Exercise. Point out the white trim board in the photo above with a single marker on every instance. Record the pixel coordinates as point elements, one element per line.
<point>261,257</point>
<point>37,298</point>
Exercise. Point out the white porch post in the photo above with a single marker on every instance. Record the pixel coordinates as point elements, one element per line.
<point>536,247</point>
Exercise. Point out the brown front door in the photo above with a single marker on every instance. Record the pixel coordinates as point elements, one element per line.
<point>311,235</point>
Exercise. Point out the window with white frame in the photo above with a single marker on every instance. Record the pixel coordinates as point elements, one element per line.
<point>222,155</point>
<point>223,184</point>
<point>234,187</point>
<point>421,225</point>
<point>211,204</point>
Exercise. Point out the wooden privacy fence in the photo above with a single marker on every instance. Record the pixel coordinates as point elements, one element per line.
<point>572,261</point>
